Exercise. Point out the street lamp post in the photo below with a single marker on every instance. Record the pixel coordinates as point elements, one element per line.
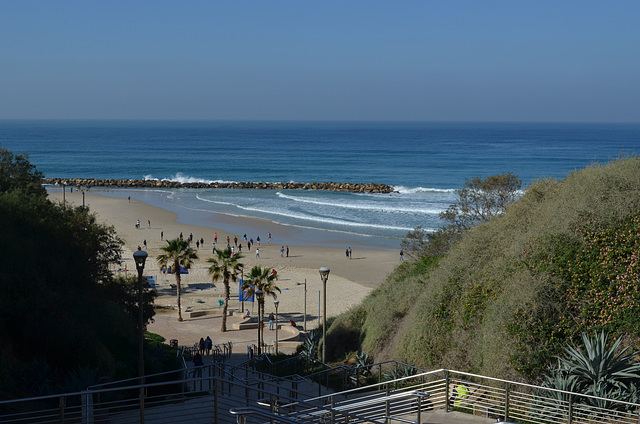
<point>259,297</point>
<point>276,302</point>
<point>140,256</point>
<point>324,275</point>
<point>241,290</point>
<point>305,302</point>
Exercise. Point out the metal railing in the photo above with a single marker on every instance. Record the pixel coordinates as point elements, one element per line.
<point>222,393</point>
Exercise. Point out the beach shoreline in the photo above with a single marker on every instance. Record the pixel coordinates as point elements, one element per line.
<point>350,280</point>
<point>192,209</point>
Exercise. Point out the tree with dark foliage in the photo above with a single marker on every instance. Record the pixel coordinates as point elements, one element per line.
<point>61,308</point>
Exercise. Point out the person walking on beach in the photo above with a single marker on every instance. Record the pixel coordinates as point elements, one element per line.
<point>258,240</point>
<point>235,240</point>
<point>197,244</point>
<point>282,251</point>
<point>149,222</point>
<point>129,199</point>
<point>347,252</point>
<point>271,319</point>
<point>269,238</point>
<point>401,256</point>
<point>350,252</point>
<point>161,235</point>
<point>138,224</point>
<point>144,243</point>
<point>287,251</point>
<point>257,253</point>
<point>215,238</point>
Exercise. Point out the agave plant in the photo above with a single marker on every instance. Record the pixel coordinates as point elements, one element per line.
<point>363,360</point>
<point>597,370</point>
<point>399,371</point>
<point>311,343</point>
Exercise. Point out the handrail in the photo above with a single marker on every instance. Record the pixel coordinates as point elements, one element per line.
<point>514,400</point>
<point>541,387</point>
<point>372,386</point>
<point>249,410</point>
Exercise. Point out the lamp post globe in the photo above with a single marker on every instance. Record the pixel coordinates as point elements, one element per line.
<point>324,275</point>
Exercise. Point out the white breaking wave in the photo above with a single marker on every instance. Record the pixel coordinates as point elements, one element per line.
<point>413,190</point>
<point>181,178</point>
<point>308,218</point>
<point>360,206</point>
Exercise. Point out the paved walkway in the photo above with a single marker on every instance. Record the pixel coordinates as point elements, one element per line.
<point>189,332</point>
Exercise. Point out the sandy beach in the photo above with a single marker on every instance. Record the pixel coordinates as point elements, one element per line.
<point>350,280</point>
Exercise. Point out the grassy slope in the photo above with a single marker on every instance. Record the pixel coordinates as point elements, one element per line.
<point>452,314</point>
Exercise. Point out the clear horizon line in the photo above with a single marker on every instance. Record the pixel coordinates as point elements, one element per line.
<point>452,121</point>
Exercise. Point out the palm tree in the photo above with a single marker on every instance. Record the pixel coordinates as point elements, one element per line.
<point>225,266</point>
<point>177,254</point>
<point>261,279</point>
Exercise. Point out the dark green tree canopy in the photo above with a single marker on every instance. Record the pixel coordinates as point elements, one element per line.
<point>16,173</point>
<point>61,307</point>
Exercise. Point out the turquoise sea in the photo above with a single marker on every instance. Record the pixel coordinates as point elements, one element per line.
<point>425,162</point>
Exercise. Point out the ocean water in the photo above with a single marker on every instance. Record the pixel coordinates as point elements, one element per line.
<point>425,162</point>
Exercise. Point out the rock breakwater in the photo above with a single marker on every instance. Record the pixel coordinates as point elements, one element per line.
<point>329,186</point>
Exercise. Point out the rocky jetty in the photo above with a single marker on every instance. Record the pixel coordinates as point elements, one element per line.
<point>330,186</point>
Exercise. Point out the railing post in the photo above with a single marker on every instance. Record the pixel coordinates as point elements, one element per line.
<point>447,401</point>
<point>87,407</point>
<point>419,409</point>
<point>387,412</point>
<point>570,412</point>
<point>62,405</point>
<point>215,401</point>
<point>273,408</point>
<point>333,412</point>
<point>506,402</point>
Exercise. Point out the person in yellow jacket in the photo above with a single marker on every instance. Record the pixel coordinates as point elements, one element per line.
<point>460,394</point>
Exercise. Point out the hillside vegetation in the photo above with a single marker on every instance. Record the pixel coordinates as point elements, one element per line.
<point>512,292</point>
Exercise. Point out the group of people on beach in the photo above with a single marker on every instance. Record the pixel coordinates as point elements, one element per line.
<point>236,247</point>
<point>138,223</point>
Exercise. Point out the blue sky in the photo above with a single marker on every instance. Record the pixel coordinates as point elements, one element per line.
<point>347,60</point>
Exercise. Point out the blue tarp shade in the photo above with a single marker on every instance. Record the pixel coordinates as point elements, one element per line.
<point>170,271</point>
<point>244,294</point>
<point>151,280</point>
